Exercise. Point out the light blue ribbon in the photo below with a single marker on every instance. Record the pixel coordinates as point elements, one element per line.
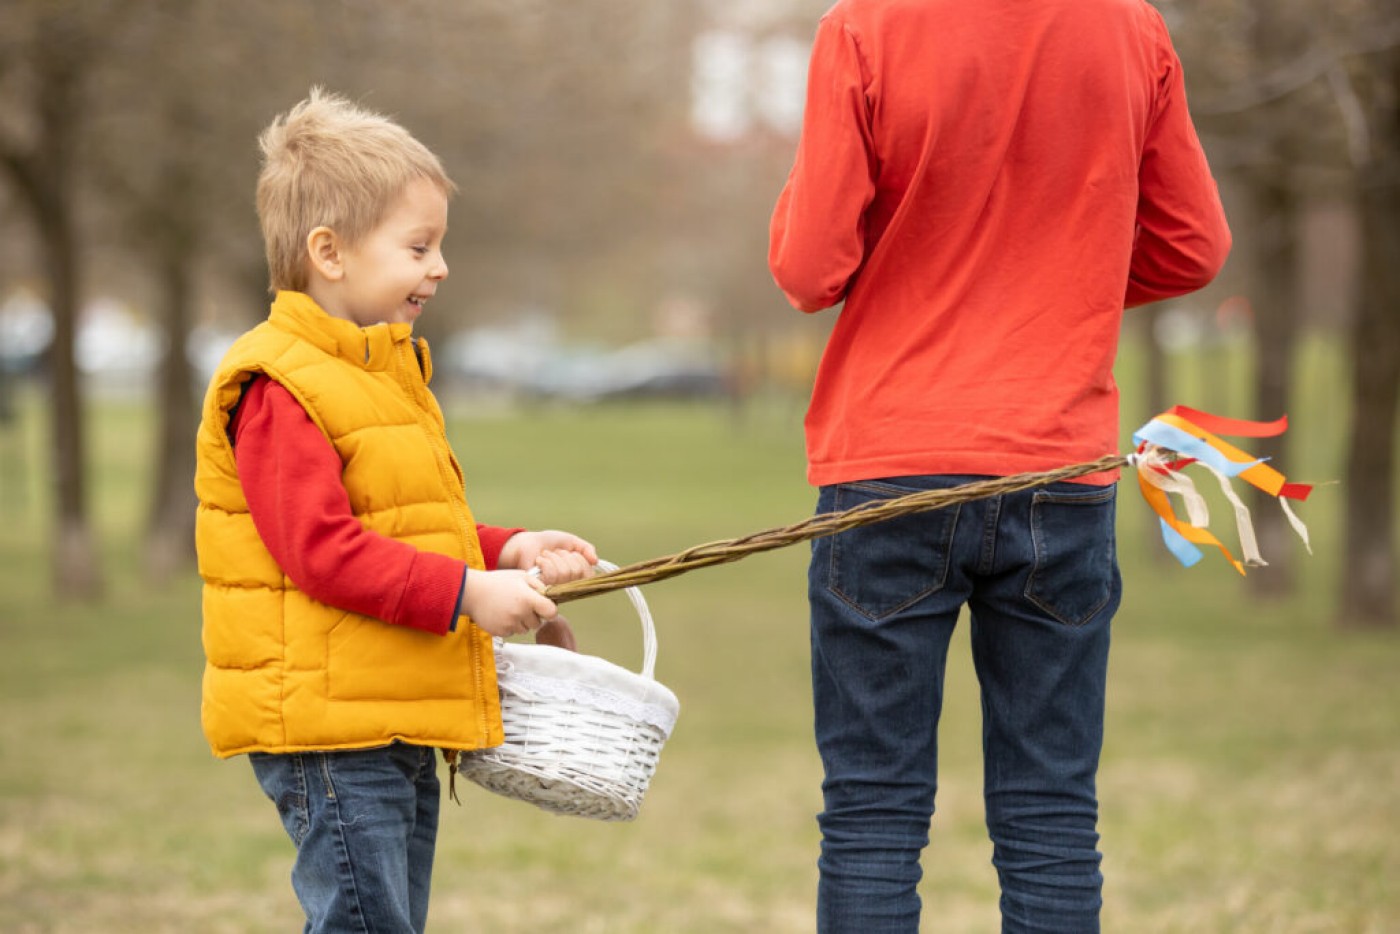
<point>1185,552</point>
<point>1188,445</point>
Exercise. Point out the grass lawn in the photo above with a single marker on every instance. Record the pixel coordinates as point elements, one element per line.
<point>1251,780</point>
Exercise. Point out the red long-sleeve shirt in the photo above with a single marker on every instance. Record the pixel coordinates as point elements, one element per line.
<point>290,475</point>
<point>986,185</point>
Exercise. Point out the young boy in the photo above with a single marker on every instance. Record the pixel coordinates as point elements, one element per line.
<point>349,596</point>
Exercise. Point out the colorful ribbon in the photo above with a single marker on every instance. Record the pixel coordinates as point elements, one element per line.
<point>1182,436</point>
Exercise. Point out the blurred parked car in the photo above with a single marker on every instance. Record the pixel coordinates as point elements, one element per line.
<point>26,330</point>
<point>530,361</point>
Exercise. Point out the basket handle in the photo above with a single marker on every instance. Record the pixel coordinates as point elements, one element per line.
<point>648,629</point>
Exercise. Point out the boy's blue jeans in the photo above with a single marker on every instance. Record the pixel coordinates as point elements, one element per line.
<point>365,827</point>
<point>1039,573</point>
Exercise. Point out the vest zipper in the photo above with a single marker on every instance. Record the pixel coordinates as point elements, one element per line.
<point>409,373</point>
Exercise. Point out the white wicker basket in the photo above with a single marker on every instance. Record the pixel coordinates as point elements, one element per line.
<point>582,735</point>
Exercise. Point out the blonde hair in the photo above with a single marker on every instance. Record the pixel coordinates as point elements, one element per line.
<point>328,162</point>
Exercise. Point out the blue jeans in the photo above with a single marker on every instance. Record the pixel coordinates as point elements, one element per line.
<point>365,827</point>
<point>1039,574</point>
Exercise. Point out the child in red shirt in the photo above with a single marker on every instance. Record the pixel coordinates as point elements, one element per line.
<point>350,598</point>
<point>985,185</point>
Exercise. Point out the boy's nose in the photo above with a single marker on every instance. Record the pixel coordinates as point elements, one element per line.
<point>439,270</point>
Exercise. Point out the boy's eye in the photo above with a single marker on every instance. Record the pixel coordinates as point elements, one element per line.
<point>421,250</point>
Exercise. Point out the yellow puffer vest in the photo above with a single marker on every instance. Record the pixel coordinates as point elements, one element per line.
<point>283,672</point>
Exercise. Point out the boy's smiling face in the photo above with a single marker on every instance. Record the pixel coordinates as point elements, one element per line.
<point>390,274</point>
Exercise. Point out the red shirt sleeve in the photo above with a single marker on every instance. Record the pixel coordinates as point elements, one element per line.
<point>492,541</point>
<point>291,479</point>
<point>1182,235</point>
<point>817,234</point>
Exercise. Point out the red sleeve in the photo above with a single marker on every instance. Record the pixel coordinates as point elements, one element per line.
<point>291,479</point>
<point>492,541</point>
<point>1182,235</point>
<point>817,234</point>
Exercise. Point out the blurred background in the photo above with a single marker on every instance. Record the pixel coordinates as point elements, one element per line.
<point>610,334</point>
<point>617,162</point>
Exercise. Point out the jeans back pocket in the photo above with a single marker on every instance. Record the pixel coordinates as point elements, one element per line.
<point>1076,568</point>
<point>882,568</point>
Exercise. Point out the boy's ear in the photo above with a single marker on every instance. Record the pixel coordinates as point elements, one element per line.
<point>323,248</point>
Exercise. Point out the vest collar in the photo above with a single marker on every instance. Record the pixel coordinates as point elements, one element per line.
<point>369,347</point>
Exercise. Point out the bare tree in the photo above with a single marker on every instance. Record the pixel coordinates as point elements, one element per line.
<point>47,54</point>
<point>1266,142</point>
<point>175,160</point>
<point>1276,193</point>
<point>1368,587</point>
<point>561,131</point>
<point>1313,96</point>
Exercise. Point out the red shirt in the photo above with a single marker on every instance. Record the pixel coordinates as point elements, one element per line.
<point>290,475</point>
<point>986,185</point>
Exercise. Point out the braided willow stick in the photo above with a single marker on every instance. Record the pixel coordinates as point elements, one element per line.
<point>723,552</point>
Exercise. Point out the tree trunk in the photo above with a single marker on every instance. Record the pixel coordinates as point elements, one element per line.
<point>42,169</point>
<point>76,567</point>
<point>42,175</point>
<point>1369,592</point>
<point>1276,325</point>
<point>1272,186</point>
<point>170,533</point>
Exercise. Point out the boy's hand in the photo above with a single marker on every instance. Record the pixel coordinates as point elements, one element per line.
<point>556,567</point>
<point>506,603</point>
<point>548,557</point>
<point>523,549</point>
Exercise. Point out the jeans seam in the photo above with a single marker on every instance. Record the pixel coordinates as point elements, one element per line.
<point>1072,624</point>
<point>888,613</point>
<point>427,759</point>
<point>347,869</point>
<point>325,762</point>
<point>304,815</point>
<point>989,535</point>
